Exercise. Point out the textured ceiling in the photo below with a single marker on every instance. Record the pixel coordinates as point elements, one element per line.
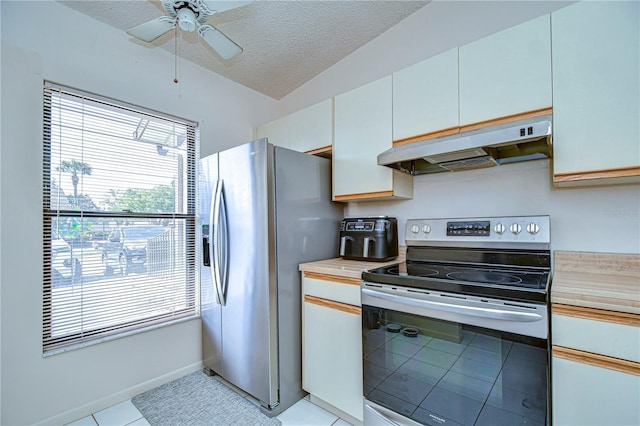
<point>285,43</point>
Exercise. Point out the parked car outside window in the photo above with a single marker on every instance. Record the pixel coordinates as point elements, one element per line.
<point>126,247</point>
<point>65,267</point>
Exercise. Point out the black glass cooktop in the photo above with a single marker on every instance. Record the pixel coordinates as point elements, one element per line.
<point>518,284</point>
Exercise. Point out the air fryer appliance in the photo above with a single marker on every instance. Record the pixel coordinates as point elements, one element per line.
<point>369,238</point>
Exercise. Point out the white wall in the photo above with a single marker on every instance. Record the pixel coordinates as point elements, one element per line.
<point>603,219</point>
<point>45,40</point>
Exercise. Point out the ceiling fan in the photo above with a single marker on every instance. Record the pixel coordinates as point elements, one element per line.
<point>189,15</point>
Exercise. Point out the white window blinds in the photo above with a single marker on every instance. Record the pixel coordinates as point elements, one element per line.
<point>119,218</point>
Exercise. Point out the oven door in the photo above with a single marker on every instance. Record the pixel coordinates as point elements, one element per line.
<point>447,359</point>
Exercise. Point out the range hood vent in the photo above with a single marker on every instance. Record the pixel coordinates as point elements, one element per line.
<point>515,141</point>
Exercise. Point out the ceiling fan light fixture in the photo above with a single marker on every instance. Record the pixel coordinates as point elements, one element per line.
<point>187,19</point>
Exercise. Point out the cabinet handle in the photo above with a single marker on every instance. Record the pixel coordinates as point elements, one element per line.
<point>350,309</point>
<point>603,361</point>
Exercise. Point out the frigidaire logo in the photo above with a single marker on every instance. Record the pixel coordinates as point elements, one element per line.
<point>437,419</point>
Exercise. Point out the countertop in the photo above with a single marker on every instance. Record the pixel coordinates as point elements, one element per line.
<point>608,281</point>
<point>347,268</point>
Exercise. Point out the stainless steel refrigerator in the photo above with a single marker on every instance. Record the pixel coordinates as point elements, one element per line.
<point>263,210</point>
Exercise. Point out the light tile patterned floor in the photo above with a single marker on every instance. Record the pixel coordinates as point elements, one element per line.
<point>302,413</point>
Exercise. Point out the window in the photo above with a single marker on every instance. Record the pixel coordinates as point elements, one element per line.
<point>119,218</point>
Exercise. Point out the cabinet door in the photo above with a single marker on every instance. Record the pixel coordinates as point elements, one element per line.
<point>596,88</point>
<point>278,131</point>
<point>362,131</point>
<point>332,354</point>
<point>608,338</point>
<point>588,395</point>
<point>312,127</point>
<point>506,73</point>
<point>425,97</point>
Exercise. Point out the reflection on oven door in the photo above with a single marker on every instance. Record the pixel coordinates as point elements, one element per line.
<point>450,373</point>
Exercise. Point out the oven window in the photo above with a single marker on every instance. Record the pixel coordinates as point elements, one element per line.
<point>443,373</point>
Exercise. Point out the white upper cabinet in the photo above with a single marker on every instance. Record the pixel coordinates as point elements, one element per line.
<point>278,131</point>
<point>596,93</point>
<point>363,129</point>
<point>506,73</point>
<point>312,127</point>
<point>425,97</point>
<point>307,130</point>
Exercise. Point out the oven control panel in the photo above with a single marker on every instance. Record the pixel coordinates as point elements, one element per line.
<point>507,230</point>
<point>469,228</point>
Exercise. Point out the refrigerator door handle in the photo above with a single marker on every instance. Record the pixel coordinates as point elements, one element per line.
<point>224,244</point>
<point>215,239</point>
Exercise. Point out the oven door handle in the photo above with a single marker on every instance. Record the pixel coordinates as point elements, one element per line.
<point>458,308</point>
<point>380,417</point>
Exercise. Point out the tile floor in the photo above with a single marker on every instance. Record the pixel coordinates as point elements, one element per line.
<point>302,413</point>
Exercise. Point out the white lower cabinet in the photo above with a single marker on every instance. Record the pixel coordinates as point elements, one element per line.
<point>331,346</point>
<point>595,367</point>
<point>584,394</point>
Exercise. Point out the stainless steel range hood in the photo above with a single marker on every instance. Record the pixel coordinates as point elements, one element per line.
<point>522,140</point>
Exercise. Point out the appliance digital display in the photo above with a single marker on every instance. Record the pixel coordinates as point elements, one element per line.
<point>464,229</point>
<point>360,226</point>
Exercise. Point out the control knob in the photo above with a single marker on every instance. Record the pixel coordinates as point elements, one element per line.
<point>533,228</point>
<point>499,228</point>
<point>515,228</point>
<point>415,229</point>
<point>426,229</point>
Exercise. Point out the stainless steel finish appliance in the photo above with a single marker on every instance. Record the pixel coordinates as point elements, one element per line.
<point>263,210</point>
<point>522,140</point>
<point>369,238</point>
<point>459,333</point>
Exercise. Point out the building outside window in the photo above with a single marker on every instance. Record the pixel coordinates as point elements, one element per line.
<point>119,230</point>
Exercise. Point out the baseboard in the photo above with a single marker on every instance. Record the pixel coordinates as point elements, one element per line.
<point>118,397</point>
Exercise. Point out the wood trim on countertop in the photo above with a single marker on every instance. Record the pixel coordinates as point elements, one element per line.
<point>333,278</point>
<point>474,126</point>
<point>597,360</point>
<point>362,196</point>
<point>350,309</point>
<point>623,318</point>
<point>620,172</point>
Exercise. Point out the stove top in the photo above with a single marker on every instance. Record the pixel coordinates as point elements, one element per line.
<point>474,256</point>
<point>490,281</point>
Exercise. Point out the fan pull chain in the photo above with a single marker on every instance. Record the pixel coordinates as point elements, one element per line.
<point>175,55</point>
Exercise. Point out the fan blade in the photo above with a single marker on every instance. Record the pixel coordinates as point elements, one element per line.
<point>220,42</point>
<point>151,30</point>
<point>223,6</point>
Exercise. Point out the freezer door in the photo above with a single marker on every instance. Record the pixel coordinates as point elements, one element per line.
<point>308,224</point>
<point>211,311</point>
<point>249,320</point>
